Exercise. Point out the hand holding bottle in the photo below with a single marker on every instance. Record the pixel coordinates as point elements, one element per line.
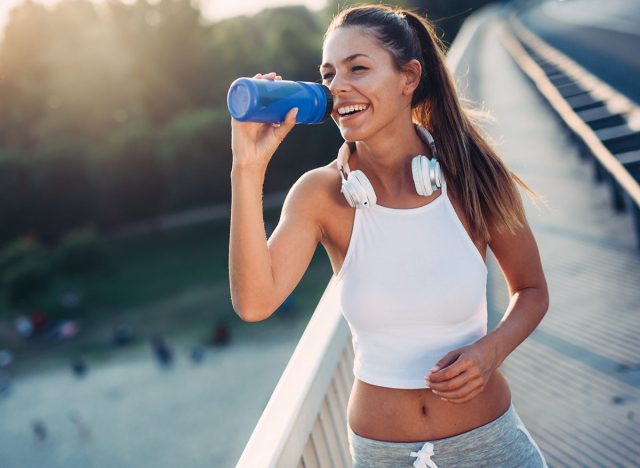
<point>254,143</point>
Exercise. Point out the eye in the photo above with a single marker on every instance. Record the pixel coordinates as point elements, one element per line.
<point>325,77</point>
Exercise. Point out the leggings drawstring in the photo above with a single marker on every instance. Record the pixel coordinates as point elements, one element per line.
<point>424,457</point>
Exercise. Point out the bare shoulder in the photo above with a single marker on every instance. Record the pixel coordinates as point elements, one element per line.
<point>318,184</point>
<point>313,195</point>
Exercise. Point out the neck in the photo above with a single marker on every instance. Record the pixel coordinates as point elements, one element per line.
<point>386,158</point>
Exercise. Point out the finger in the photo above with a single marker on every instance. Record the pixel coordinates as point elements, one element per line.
<point>465,399</point>
<point>451,370</point>
<point>469,387</point>
<point>451,384</point>
<point>289,121</point>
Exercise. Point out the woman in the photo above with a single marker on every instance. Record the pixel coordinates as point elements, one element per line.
<point>411,271</point>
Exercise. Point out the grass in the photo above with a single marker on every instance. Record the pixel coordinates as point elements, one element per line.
<point>175,283</point>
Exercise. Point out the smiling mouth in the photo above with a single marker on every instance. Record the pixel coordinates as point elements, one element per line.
<point>352,114</point>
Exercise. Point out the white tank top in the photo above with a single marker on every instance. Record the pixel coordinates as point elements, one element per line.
<point>412,288</point>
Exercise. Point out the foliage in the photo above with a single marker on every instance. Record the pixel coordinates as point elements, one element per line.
<point>28,269</point>
<point>24,271</point>
<point>81,253</point>
<point>114,112</point>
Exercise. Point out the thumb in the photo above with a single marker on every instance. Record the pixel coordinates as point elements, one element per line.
<point>291,118</point>
<point>447,359</point>
<point>289,122</point>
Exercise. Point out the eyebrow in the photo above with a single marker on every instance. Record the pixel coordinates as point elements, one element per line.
<point>348,59</point>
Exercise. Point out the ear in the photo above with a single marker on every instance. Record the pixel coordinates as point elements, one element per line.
<point>412,73</point>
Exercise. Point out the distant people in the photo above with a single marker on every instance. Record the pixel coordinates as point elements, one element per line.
<point>67,329</point>
<point>38,320</point>
<point>39,429</point>
<point>161,350</point>
<point>5,382</point>
<point>221,334</point>
<point>79,367</point>
<point>81,424</point>
<point>122,334</point>
<point>6,358</point>
<point>196,354</point>
<point>24,326</point>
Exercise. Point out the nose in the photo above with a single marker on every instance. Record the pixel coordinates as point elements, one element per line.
<point>337,85</point>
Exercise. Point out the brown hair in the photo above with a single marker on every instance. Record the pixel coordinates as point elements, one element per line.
<point>483,185</point>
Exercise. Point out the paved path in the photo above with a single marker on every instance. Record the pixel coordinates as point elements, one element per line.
<point>139,415</point>
<point>191,216</point>
<point>576,379</point>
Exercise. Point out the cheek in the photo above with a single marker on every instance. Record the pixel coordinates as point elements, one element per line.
<point>385,99</point>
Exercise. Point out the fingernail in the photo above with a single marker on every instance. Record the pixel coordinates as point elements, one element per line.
<point>295,111</point>
<point>444,399</point>
<point>435,369</point>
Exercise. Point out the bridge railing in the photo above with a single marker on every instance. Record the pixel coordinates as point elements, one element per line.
<point>604,123</point>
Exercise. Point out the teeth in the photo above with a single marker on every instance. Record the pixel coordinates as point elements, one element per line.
<point>346,110</point>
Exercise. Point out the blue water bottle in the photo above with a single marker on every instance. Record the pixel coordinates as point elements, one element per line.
<point>268,101</point>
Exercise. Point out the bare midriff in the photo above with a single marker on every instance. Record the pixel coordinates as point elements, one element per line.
<point>412,415</point>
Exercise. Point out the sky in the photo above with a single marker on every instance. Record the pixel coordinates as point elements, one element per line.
<point>211,9</point>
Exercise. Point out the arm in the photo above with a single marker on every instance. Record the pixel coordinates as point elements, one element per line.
<point>520,263</point>
<point>253,285</point>
<point>249,262</point>
<point>262,273</point>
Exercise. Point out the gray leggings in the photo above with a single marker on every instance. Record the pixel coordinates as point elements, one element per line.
<point>503,442</point>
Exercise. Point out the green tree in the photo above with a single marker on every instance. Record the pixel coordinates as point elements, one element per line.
<point>81,253</point>
<point>25,271</point>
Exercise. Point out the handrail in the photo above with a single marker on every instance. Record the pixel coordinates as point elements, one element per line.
<point>571,118</point>
<point>582,87</point>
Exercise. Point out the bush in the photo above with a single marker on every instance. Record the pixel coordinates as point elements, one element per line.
<point>25,271</point>
<point>81,253</point>
<point>18,252</point>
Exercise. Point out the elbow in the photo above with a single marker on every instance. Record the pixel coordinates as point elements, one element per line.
<point>545,296</point>
<point>248,312</point>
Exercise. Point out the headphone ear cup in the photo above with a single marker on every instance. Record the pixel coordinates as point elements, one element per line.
<point>420,168</point>
<point>437,173</point>
<point>348,192</point>
<point>415,171</point>
<point>426,166</point>
<point>367,196</point>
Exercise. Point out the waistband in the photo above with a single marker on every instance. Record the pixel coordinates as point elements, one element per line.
<point>485,437</point>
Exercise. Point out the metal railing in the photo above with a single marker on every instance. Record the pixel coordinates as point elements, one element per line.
<point>604,123</point>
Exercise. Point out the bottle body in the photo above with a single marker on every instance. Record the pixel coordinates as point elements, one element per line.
<point>268,101</point>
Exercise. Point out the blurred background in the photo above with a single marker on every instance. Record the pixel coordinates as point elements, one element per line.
<point>115,155</point>
<point>118,343</point>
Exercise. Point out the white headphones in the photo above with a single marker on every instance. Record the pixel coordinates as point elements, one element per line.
<point>358,190</point>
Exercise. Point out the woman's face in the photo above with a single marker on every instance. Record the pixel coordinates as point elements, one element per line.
<point>368,79</point>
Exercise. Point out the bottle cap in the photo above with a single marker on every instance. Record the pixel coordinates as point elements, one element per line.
<point>329,109</point>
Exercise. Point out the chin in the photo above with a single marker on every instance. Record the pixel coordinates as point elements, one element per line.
<point>349,134</point>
